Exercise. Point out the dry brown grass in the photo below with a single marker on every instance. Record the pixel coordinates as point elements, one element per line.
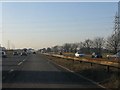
<point>95,72</point>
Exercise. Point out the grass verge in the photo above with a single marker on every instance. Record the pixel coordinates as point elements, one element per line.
<point>94,72</point>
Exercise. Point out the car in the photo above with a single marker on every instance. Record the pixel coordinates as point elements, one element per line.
<point>34,52</point>
<point>96,55</point>
<point>61,53</point>
<point>24,54</point>
<point>15,53</point>
<point>78,54</point>
<point>117,55</point>
<point>3,54</point>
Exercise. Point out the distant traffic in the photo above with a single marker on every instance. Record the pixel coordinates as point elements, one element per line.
<point>23,52</point>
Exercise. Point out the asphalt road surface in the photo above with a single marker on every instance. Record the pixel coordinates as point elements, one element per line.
<point>37,71</point>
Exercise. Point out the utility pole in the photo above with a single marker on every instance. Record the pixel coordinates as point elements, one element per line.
<point>8,45</point>
<point>116,33</point>
<point>119,16</point>
<point>117,21</point>
<point>13,46</point>
<point>116,24</point>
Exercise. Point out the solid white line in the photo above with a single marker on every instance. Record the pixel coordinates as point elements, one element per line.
<point>20,63</point>
<point>79,75</point>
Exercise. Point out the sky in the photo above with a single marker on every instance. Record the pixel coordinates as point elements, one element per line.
<point>0,16</point>
<point>46,24</point>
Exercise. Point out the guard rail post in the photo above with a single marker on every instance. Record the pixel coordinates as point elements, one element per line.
<point>108,68</point>
<point>91,64</point>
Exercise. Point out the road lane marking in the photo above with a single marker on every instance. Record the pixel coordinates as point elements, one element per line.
<point>11,70</point>
<point>79,75</point>
<point>20,63</point>
<point>25,59</point>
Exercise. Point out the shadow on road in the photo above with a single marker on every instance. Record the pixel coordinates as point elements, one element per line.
<point>51,77</point>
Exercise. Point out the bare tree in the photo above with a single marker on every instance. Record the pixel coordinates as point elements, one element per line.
<point>67,47</point>
<point>81,45</point>
<point>98,44</point>
<point>48,49</point>
<point>88,45</point>
<point>113,42</point>
<point>55,49</point>
<point>74,47</point>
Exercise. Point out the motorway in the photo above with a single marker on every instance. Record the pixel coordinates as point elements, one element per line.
<point>37,71</point>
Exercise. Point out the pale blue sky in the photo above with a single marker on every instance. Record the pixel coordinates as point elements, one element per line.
<point>39,24</point>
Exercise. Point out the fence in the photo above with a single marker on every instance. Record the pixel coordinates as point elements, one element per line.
<point>106,63</point>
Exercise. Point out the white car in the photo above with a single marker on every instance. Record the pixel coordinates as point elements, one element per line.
<point>24,54</point>
<point>77,54</point>
<point>15,53</point>
<point>117,55</point>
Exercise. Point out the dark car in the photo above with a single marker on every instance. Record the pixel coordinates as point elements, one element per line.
<point>34,52</point>
<point>96,55</point>
<point>15,53</point>
<point>24,54</point>
<point>4,55</point>
<point>61,53</point>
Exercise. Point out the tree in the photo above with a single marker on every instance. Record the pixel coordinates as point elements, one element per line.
<point>55,49</point>
<point>74,47</point>
<point>48,49</point>
<point>88,45</point>
<point>98,44</point>
<point>113,42</point>
<point>67,47</point>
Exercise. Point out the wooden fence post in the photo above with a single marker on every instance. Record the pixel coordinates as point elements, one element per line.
<point>91,64</point>
<point>108,68</point>
<point>80,61</point>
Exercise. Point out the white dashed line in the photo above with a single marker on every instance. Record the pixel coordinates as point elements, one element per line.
<point>20,63</point>
<point>11,70</point>
<point>23,60</point>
